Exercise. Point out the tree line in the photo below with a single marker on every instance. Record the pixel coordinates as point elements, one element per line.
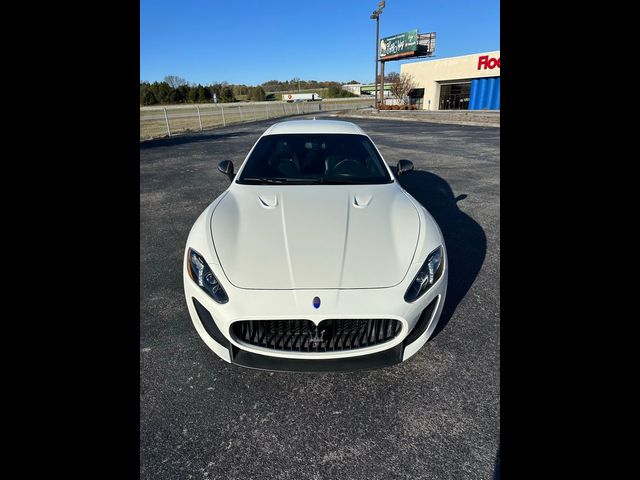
<point>298,84</point>
<point>175,89</point>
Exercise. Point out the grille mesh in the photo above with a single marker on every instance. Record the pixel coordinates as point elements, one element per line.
<point>302,335</point>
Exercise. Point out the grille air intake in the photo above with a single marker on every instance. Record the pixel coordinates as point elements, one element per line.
<point>303,336</point>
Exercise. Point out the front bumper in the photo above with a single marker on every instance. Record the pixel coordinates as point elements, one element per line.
<point>212,321</point>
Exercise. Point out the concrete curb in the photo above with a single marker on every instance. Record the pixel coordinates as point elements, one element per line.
<point>384,116</point>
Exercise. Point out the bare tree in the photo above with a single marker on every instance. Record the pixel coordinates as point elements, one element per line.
<point>392,77</point>
<point>174,81</point>
<point>401,86</point>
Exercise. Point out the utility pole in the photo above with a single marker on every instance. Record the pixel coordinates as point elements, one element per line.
<point>382,82</point>
<point>376,16</point>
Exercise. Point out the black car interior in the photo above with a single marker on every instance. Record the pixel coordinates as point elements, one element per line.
<point>314,156</point>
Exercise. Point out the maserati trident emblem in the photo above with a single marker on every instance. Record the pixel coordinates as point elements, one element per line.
<point>316,340</point>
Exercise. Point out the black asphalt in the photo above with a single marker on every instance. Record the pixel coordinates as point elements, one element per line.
<point>435,416</point>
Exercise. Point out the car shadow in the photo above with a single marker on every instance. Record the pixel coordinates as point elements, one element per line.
<point>464,238</point>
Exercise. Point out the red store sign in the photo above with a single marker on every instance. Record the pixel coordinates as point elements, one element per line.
<point>485,62</point>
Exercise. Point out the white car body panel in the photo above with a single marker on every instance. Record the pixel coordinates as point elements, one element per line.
<point>273,248</point>
<point>315,236</point>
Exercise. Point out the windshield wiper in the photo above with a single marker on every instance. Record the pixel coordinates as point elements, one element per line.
<point>264,180</point>
<point>352,181</point>
<point>279,180</point>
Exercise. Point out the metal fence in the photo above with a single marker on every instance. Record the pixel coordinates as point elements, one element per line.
<point>165,121</point>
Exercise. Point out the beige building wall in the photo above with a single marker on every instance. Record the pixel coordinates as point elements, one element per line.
<point>353,88</point>
<point>430,73</point>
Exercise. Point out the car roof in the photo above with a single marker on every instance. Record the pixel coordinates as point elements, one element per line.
<point>314,126</point>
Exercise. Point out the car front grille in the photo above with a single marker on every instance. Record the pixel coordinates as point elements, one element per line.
<point>303,336</point>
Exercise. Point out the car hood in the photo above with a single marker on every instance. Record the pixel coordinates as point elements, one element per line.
<point>315,236</point>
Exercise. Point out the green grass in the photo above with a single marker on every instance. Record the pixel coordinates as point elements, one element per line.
<point>211,115</point>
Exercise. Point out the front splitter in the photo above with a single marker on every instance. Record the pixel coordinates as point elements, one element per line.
<point>372,361</point>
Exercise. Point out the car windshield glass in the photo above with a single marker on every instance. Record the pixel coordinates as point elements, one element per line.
<point>299,159</point>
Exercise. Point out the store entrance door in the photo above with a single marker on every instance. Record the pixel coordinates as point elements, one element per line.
<point>455,96</point>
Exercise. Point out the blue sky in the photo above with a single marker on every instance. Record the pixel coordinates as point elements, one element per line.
<point>250,42</point>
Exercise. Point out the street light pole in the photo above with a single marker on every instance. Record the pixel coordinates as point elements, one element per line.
<point>377,43</point>
<point>376,16</point>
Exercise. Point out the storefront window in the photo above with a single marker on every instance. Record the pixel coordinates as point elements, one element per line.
<point>416,97</point>
<point>455,96</point>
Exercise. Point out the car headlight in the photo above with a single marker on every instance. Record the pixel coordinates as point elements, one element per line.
<point>428,274</point>
<point>201,273</point>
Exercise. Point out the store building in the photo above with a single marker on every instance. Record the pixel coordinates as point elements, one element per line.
<point>468,82</point>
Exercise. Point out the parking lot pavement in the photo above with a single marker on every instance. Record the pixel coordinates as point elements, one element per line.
<point>435,416</point>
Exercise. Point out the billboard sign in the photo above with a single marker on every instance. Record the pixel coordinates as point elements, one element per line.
<point>403,44</point>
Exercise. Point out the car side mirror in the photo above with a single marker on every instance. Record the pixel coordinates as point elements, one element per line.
<point>226,167</point>
<point>404,166</point>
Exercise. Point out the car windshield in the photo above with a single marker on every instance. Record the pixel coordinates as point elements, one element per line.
<point>314,159</point>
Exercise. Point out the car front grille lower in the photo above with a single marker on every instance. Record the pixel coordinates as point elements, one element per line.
<point>303,336</point>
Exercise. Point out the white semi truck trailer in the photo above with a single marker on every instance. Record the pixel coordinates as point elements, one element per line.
<point>301,97</point>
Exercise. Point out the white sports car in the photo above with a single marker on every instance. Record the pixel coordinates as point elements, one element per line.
<point>315,258</point>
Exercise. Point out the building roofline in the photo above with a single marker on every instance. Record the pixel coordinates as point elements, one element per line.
<point>450,58</point>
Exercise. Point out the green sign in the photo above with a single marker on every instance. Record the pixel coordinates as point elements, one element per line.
<point>398,44</point>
